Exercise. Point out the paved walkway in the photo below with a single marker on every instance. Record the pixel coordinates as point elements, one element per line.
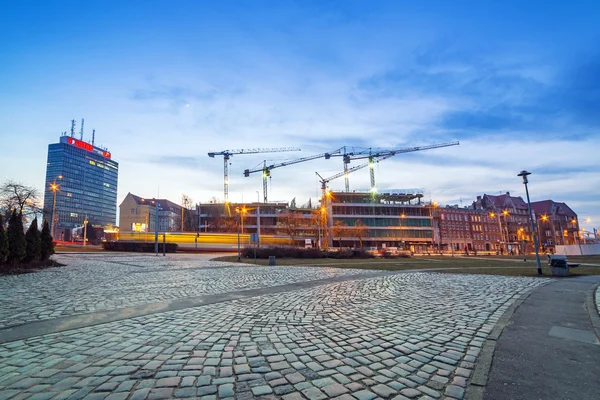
<point>551,347</point>
<point>279,332</point>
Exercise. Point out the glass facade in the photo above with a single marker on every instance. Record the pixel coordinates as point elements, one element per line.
<point>86,178</point>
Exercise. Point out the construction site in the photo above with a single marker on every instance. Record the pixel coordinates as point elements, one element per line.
<point>375,219</point>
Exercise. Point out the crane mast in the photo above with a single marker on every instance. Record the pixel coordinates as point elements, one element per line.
<point>227,155</point>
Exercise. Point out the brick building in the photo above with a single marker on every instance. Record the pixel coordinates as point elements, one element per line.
<point>556,222</point>
<point>512,216</point>
<point>466,229</point>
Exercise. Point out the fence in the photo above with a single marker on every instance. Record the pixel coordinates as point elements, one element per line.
<point>578,250</point>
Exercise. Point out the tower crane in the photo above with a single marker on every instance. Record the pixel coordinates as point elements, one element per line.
<point>372,155</point>
<point>266,169</point>
<point>325,181</point>
<point>228,153</point>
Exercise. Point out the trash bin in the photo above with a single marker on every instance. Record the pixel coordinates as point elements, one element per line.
<point>558,264</point>
<point>271,260</point>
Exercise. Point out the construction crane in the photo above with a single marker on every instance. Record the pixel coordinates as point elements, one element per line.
<point>373,154</point>
<point>266,169</point>
<point>325,181</point>
<point>228,153</point>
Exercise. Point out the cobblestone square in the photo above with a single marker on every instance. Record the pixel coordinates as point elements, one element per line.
<point>247,332</point>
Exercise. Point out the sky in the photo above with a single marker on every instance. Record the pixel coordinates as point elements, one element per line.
<point>166,82</point>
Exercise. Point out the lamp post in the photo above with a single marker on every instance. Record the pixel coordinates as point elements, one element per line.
<point>156,228</point>
<point>54,188</point>
<point>322,212</point>
<point>533,232</point>
<point>85,222</point>
<point>238,210</point>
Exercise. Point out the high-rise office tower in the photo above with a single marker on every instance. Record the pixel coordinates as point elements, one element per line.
<point>81,184</point>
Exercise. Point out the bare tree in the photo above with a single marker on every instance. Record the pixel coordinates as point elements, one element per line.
<point>228,224</point>
<point>290,221</point>
<point>339,230</point>
<point>360,230</point>
<point>189,220</point>
<point>15,195</point>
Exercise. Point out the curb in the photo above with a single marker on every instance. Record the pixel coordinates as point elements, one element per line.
<point>483,365</point>
<point>592,310</point>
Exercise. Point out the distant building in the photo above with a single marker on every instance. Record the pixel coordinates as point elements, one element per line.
<point>394,220</point>
<point>556,222</point>
<point>84,178</point>
<point>512,216</point>
<point>138,214</point>
<point>467,229</point>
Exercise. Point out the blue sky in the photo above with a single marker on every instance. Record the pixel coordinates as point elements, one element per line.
<point>164,82</point>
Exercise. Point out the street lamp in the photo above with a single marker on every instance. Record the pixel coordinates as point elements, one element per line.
<point>321,216</point>
<point>85,222</point>
<point>533,232</point>
<point>505,213</point>
<point>240,211</point>
<point>54,188</point>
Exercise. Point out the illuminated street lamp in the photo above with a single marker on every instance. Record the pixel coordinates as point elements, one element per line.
<point>240,211</point>
<point>54,188</point>
<point>85,222</point>
<point>533,232</point>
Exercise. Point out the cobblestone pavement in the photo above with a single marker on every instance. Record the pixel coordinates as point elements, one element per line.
<point>411,335</point>
<point>100,282</point>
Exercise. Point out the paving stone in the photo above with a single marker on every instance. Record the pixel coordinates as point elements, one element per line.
<point>159,394</point>
<point>206,390</point>
<point>140,394</point>
<point>455,392</point>
<point>261,390</point>
<point>226,390</point>
<point>364,395</point>
<point>314,393</point>
<point>383,390</point>
<point>334,390</point>
<point>410,393</point>
<point>168,382</point>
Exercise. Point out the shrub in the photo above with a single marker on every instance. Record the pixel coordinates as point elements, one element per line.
<point>16,238</point>
<point>33,238</point>
<point>3,242</point>
<point>47,244</point>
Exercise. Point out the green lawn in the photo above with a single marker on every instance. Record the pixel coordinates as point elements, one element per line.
<point>496,265</point>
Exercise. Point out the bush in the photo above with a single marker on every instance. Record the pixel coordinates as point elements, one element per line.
<point>300,252</point>
<point>3,242</point>
<point>47,243</point>
<point>33,248</point>
<point>16,238</point>
<point>388,254</point>
<point>362,253</point>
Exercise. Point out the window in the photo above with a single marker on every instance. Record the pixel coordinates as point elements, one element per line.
<point>133,210</point>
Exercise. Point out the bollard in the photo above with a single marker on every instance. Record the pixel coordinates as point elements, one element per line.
<point>271,261</point>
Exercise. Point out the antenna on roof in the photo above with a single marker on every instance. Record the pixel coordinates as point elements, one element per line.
<point>72,128</point>
<point>93,136</point>
<point>81,131</point>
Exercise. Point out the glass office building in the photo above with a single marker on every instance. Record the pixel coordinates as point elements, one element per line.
<point>85,181</point>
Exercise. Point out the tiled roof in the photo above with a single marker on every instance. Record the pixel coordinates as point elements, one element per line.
<point>552,207</point>
<point>164,203</point>
<point>501,200</point>
<point>542,207</point>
